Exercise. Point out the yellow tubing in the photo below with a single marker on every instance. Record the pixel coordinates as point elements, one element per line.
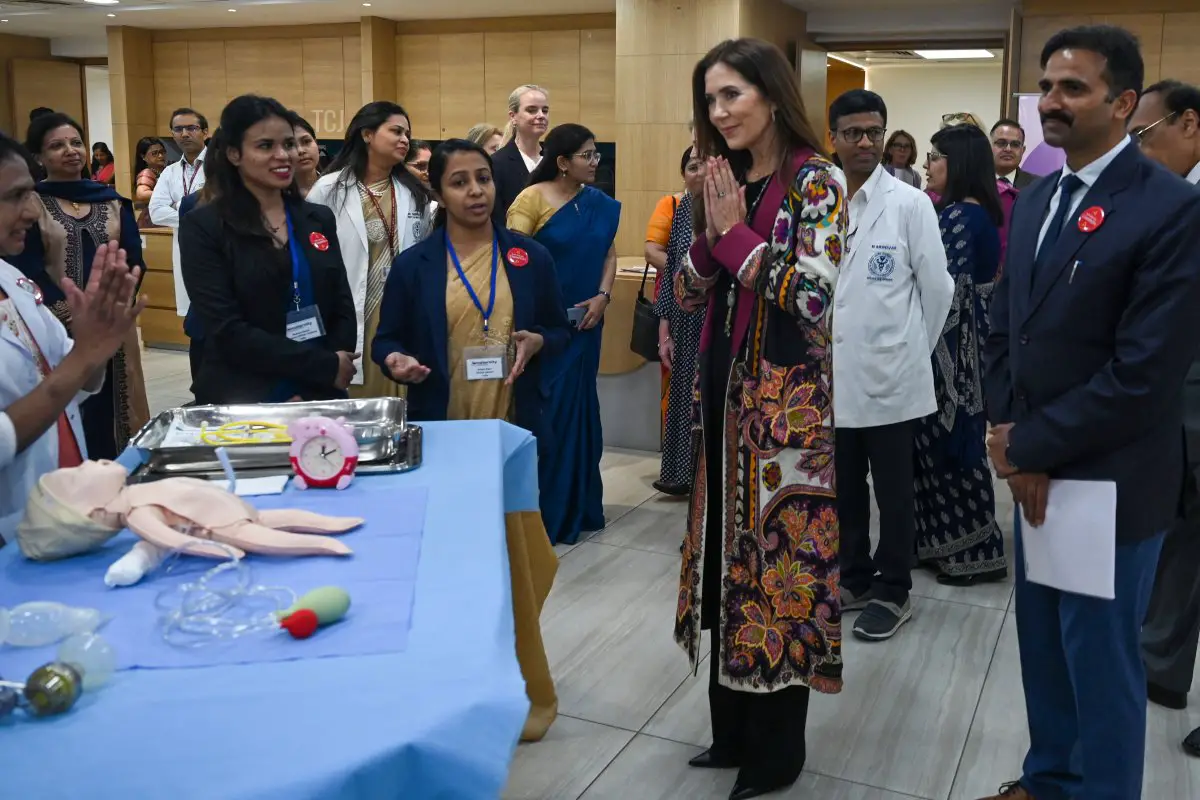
<point>245,432</point>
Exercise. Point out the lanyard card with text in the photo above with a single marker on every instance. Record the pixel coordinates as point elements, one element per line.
<point>304,322</point>
<point>488,362</point>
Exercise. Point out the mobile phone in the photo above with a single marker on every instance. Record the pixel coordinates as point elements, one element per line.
<point>575,316</point>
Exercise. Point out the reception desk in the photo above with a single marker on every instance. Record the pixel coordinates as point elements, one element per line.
<point>630,388</point>
<point>160,323</point>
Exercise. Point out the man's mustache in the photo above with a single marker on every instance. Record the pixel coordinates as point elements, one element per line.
<point>1061,116</point>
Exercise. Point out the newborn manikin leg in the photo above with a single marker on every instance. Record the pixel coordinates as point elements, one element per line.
<point>255,538</point>
<point>293,519</point>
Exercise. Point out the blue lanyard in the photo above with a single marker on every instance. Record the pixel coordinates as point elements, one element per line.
<point>298,259</point>
<point>470,289</point>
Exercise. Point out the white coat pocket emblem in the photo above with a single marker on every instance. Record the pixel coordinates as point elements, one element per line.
<point>881,266</point>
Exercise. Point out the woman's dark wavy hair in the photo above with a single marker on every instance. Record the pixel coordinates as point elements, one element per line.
<point>11,148</point>
<point>970,169</point>
<point>143,146</point>
<point>437,169</point>
<point>103,148</point>
<point>352,158</point>
<point>764,66</point>
<point>912,148</point>
<point>562,141</point>
<point>35,135</point>
<point>237,207</point>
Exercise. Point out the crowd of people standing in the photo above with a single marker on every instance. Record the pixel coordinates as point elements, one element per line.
<point>824,318</point>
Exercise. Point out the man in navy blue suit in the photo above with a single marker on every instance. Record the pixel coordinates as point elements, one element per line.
<point>1093,329</point>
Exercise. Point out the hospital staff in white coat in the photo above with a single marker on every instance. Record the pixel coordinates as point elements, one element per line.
<point>892,298</point>
<point>381,209</point>
<point>43,374</point>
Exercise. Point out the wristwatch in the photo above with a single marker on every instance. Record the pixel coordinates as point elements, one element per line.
<point>606,295</point>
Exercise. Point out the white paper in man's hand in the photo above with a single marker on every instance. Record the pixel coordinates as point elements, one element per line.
<point>1075,549</point>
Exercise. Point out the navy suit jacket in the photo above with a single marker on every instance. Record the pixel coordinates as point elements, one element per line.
<point>1087,358</point>
<point>511,177</point>
<point>412,320</point>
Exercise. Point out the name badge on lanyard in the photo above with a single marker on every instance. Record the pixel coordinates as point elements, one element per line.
<point>303,324</point>
<point>489,362</point>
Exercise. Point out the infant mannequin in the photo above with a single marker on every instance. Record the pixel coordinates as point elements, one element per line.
<point>76,509</point>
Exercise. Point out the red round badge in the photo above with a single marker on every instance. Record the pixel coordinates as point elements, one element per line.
<point>517,257</point>
<point>318,241</point>
<point>1091,219</point>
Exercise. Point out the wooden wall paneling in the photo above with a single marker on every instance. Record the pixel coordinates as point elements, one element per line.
<point>172,79</point>
<point>598,81</point>
<point>378,59</point>
<point>351,77</point>
<point>555,65</point>
<point>1065,7</point>
<point>324,86</point>
<point>1181,32</point>
<point>419,83</point>
<point>285,32</point>
<point>507,64</point>
<point>650,155</point>
<point>461,60</point>
<point>549,22</point>
<point>1148,28</point>
<point>839,78</point>
<point>131,90</point>
<point>1035,32</point>
<point>44,82</point>
<point>636,209</point>
<point>16,47</point>
<point>271,67</point>
<point>210,89</point>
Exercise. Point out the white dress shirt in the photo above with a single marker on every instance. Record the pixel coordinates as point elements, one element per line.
<point>176,182</point>
<point>1089,175</point>
<point>1193,177</point>
<point>530,163</point>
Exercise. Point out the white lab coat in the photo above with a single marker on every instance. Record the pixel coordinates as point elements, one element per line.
<point>163,208</point>
<point>892,298</point>
<point>19,472</point>
<point>339,192</point>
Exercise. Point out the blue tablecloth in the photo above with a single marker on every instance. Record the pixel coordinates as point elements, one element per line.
<point>439,720</point>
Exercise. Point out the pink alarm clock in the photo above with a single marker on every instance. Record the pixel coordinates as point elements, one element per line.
<point>324,453</point>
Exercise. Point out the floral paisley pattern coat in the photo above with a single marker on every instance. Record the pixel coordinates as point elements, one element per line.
<point>780,609</point>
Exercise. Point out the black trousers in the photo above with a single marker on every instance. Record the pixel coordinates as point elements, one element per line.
<point>762,733</point>
<point>1171,632</point>
<point>886,453</point>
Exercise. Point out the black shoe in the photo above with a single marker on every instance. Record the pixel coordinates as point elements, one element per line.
<point>673,489</point>
<point>1191,745</point>
<point>880,620</point>
<point>710,760</point>
<point>744,791</point>
<point>1162,696</point>
<point>972,580</point>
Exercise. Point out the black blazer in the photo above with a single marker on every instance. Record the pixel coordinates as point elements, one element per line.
<point>240,287</point>
<point>1020,178</point>
<point>1087,358</point>
<point>511,177</point>
<point>412,320</point>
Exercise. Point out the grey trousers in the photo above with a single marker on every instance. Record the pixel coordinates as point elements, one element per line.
<point>1172,629</point>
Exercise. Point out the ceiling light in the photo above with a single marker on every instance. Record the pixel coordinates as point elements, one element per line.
<point>112,15</point>
<point>845,60</point>
<point>942,55</point>
<point>232,10</point>
<point>366,5</point>
<point>103,2</point>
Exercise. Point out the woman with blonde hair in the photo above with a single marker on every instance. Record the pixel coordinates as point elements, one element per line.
<point>528,121</point>
<point>487,136</point>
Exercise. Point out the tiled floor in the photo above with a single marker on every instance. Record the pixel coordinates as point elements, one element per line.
<point>935,713</point>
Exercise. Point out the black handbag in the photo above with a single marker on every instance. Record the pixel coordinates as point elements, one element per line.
<point>644,338</point>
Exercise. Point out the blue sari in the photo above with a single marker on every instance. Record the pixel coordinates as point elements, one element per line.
<point>578,236</point>
<point>119,409</point>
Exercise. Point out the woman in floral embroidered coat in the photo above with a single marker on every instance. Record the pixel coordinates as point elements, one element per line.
<point>760,559</point>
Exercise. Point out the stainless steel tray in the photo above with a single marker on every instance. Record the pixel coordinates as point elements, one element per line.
<point>379,426</point>
<point>406,458</point>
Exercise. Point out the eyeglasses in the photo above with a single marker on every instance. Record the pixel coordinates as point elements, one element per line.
<point>1005,144</point>
<point>934,155</point>
<point>1140,133</point>
<point>855,135</point>
<point>590,156</point>
<point>186,129</point>
<point>900,145</point>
